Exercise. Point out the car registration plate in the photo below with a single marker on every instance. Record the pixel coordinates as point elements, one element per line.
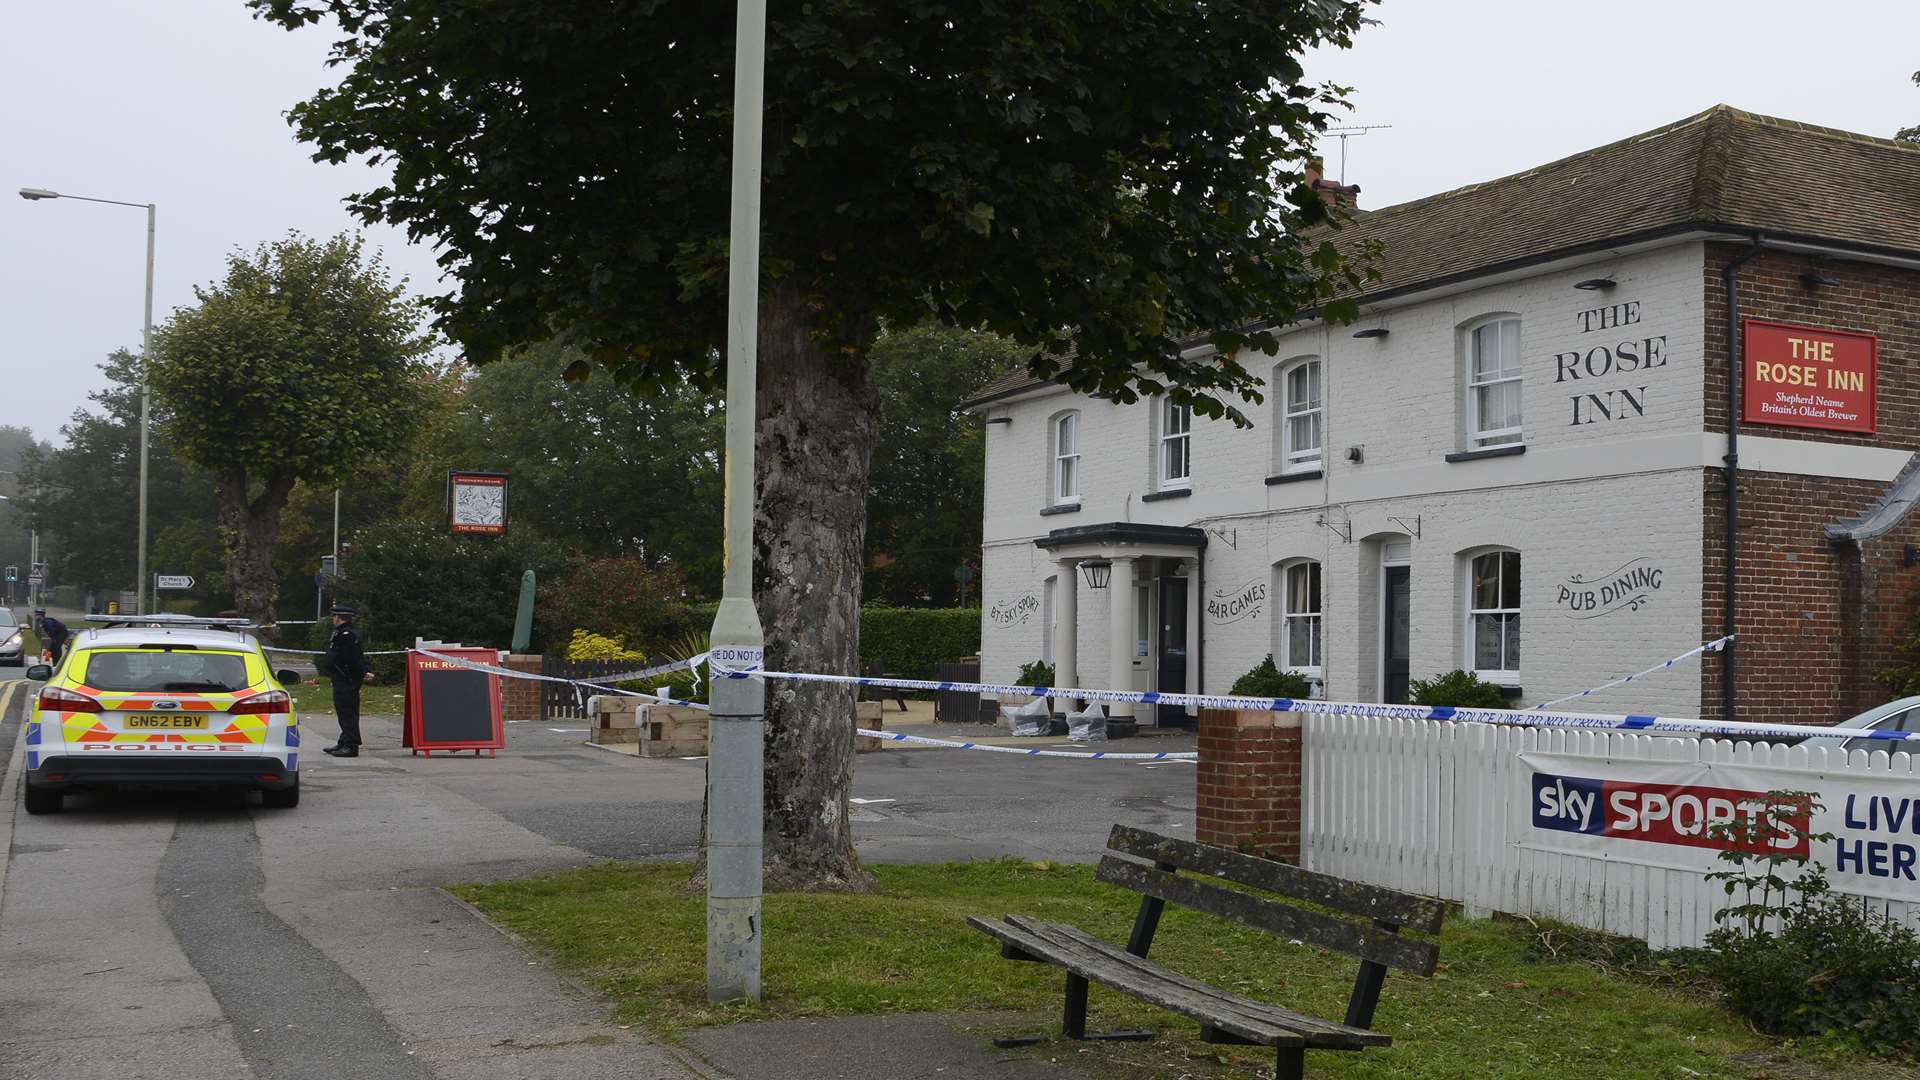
<point>163,722</point>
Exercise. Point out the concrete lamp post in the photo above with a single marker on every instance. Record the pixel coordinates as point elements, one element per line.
<point>737,724</point>
<point>141,584</point>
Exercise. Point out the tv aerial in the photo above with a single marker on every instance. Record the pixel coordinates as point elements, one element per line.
<point>1351,131</point>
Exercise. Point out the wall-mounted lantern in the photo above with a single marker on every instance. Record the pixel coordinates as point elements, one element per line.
<point>1097,572</point>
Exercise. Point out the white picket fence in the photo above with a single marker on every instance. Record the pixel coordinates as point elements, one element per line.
<point>1436,808</point>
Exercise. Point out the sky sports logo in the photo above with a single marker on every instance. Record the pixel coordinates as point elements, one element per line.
<point>1654,813</point>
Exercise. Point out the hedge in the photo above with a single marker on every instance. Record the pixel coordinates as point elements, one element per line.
<point>910,641</point>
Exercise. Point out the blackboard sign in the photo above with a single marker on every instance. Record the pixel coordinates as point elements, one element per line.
<point>451,707</point>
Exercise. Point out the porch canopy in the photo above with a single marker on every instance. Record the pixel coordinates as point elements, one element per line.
<point>1122,544</point>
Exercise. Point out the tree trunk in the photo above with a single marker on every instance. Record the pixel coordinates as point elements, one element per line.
<point>817,426</point>
<point>249,527</point>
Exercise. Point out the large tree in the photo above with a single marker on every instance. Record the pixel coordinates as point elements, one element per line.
<point>301,364</point>
<point>1103,179</point>
<point>929,467</point>
<point>603,470</point>
<point>17,446</point>
<point>84,496</point>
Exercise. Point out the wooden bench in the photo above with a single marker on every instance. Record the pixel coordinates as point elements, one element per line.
<point>1226,1017</point>
<point>882,694</point>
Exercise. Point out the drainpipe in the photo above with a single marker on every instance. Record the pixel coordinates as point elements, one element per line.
<point>1731,275</point>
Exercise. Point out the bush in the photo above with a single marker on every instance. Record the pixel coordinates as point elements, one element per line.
<point>1038,673</point>
<point>1458,689</point>
<point>412,579</point>
<point>587,645</point>
<point>1268,681</point>
<point>1798,959</point>
<point>910,641</point>
<point>630,599</point>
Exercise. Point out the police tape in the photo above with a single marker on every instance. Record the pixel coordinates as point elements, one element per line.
<point>890,736</point>
<point>1711,646</point>
<point>323,652</point>
<point>1631,723</point>
<point>954,744</point>
<point>598,683</point>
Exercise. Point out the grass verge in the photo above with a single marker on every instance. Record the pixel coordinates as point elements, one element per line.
<point>1496,1009</point>
<point>314,696</point>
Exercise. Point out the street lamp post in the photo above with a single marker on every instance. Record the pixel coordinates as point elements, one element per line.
<point>140,582</point>
<point>737,737</point>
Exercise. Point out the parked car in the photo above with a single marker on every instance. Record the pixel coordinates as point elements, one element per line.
<point>12,634</point>
<point>162,701</point>
<point>1902,714</point>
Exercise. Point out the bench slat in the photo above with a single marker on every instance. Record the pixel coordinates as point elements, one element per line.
<point>1371,901</point>
<point>1319,1033</point>
<point>1365,942</point>
<point>1095,969</point>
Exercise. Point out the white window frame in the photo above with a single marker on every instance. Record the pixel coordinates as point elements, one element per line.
<point>1504,605</point>
<point>1298,461</point>
<point>1478,436</point>
<point>1283,653</point>
<point>1174,416</point>
<point>1066,459</point>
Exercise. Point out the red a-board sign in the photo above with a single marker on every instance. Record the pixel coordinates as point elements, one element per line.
<point>452,707</point>
<point>1803,376</point>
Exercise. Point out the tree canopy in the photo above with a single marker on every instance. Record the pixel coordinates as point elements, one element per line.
<point>303,363</point>
<point>1102,180</point>
<point>86,493</point>
<point>929,468</point>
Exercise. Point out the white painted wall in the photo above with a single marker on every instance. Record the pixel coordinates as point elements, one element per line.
<point>1582,500</point>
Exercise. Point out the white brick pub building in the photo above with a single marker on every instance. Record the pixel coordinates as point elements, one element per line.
<point>1514,462</point>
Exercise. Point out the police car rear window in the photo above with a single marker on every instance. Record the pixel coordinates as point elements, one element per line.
<point>178,672</point>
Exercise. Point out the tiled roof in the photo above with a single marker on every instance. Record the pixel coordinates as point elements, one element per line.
<point>1722,168</point>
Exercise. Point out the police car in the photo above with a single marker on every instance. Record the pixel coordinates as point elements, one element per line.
<point>162,701</point>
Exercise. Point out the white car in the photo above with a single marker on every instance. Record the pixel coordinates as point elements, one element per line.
<point>162,701</point>
<point>12,639</point>
<point>1902,714</point>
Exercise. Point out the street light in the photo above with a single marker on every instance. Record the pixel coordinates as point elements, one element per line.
<point>736,742</point>
<point>146,354</point>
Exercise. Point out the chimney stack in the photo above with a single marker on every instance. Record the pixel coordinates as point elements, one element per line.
<point>1330,191</point>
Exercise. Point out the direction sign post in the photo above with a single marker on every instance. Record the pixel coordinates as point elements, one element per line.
<point>172,581</point>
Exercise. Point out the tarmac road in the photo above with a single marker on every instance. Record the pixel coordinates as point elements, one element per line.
<point>178,935</point>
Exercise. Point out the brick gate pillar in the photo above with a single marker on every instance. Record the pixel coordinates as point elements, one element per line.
<point>520,698</point>
<point>1247,785</point>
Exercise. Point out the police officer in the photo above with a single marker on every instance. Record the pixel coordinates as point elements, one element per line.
<point>54,635</point>
<point>347,667</point>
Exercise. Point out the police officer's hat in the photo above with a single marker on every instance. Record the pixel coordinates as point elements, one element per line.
<point>343,610</point>
<point>39,611</point>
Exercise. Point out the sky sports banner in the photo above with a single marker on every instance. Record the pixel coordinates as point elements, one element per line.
<point>1662,814</point>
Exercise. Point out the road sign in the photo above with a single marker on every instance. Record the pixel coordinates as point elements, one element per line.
<point>173,581</point>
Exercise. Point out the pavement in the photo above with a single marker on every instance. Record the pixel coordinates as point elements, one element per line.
<point>192,935</point>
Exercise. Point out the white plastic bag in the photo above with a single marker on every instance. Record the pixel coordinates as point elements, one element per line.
<point>1089,726</point>
<point>1030,720</point>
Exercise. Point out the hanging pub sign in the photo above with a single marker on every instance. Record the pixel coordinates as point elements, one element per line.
<point>477,503</point>
<point>1802,376</point>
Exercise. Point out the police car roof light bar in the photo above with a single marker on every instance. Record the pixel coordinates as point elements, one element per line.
<point>169,621</point>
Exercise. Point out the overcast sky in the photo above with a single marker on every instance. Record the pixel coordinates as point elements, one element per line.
<point>179,103</point>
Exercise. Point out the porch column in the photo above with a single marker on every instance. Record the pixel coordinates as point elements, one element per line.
<point>1066,610</point>
<point>1192,567</point>
<point>1120,620</point>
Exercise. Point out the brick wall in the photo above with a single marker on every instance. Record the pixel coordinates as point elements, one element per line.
<point>1816,620</point>
<point>520,698</point>
<point>1247,784</point>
